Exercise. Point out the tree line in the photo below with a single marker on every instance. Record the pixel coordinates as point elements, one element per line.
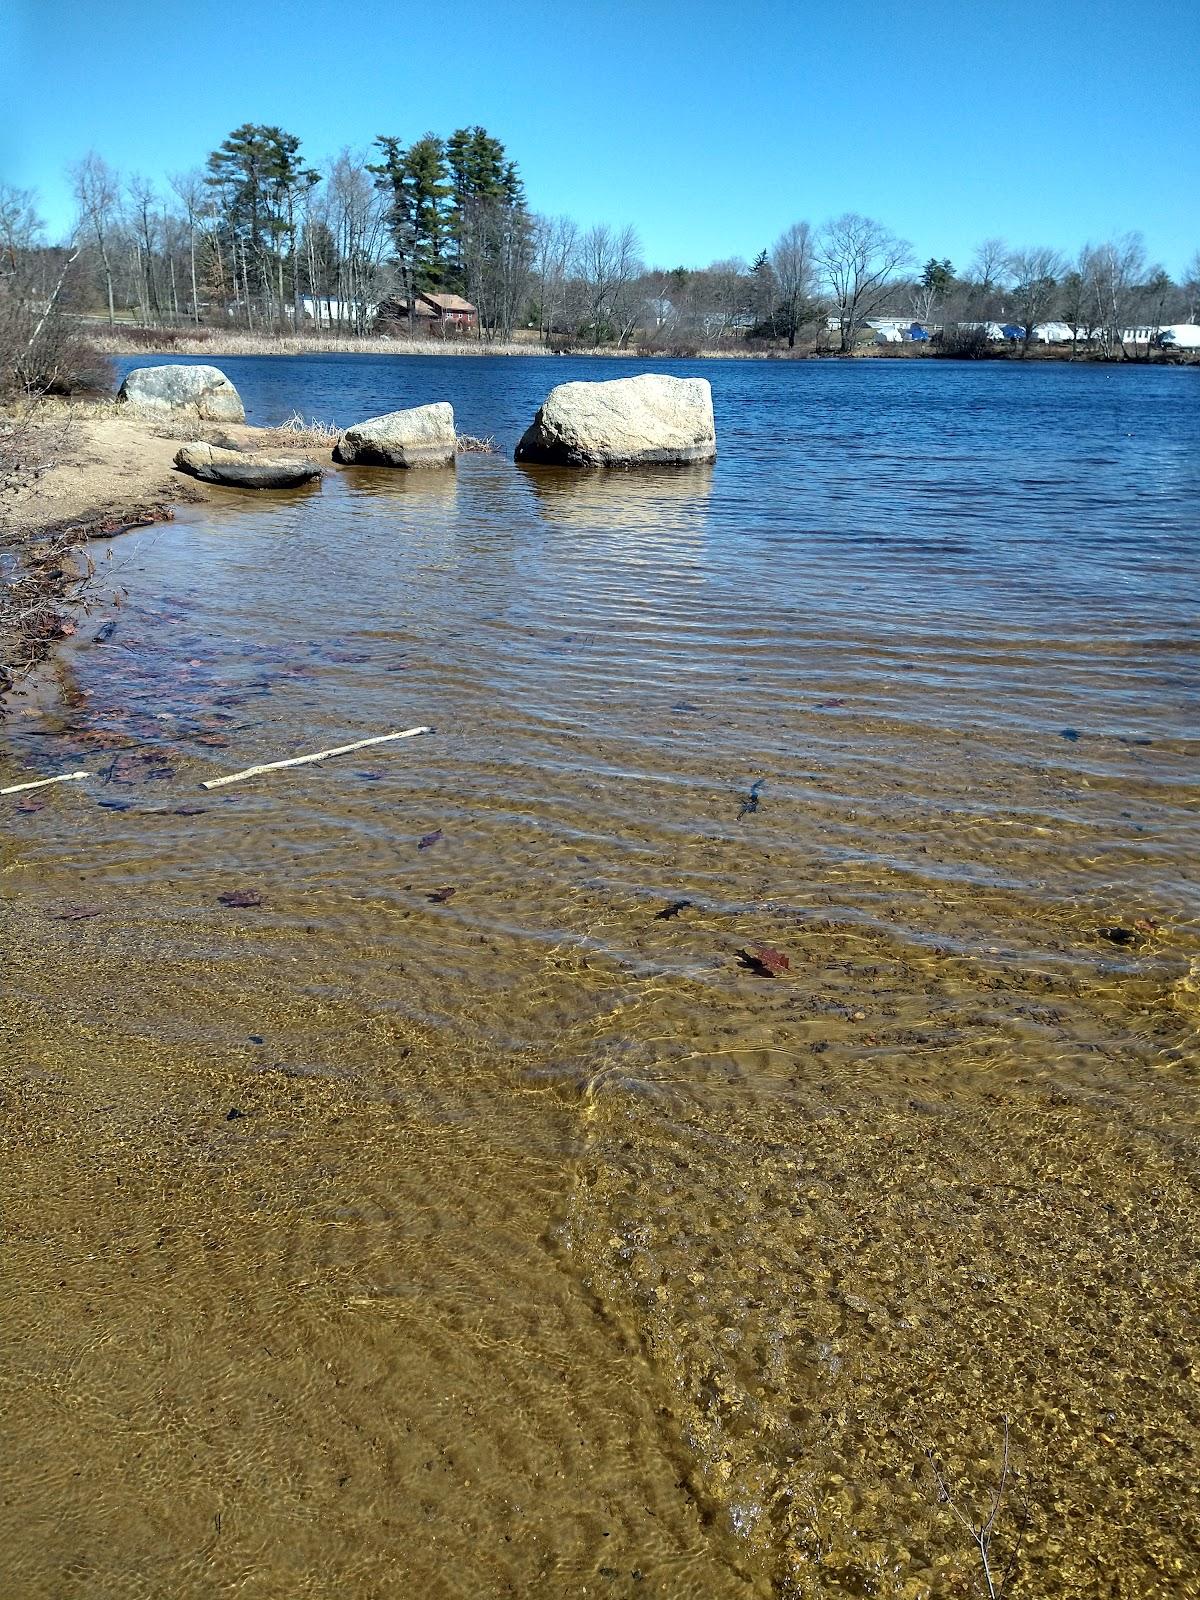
<point>259,237</point>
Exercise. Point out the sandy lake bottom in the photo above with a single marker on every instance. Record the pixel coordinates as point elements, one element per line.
<point>624,1141</point>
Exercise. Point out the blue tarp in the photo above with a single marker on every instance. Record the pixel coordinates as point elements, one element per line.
<point>916,331</point>
<point>1011,331</point>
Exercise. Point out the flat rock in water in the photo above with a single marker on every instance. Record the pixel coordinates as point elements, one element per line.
<point>422,436</point>
<point>202,392</point>
<point>624,422</point>
<point>244,469</point>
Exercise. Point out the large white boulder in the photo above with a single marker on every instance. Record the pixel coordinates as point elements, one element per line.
<point>244,469</point>
<point>422,436</point>
<point>624,422</point>
<point>201,392</point>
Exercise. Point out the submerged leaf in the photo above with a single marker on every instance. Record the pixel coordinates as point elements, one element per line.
<point>764,960</point>
<point>430,839</point>
<point>241,897</point>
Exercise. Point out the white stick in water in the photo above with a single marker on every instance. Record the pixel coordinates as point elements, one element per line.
<point>40,783</point>
<point>320,755</point>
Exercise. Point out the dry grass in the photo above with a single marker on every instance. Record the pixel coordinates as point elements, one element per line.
<point>217,343</point>
<point>295,430</point>
<point>469,445</point>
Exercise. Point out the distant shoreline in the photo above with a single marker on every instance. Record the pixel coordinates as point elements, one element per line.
<point>221,345</point>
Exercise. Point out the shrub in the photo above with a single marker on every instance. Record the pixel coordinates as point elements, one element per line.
<point>680,345</point>
<point>42,350</point>
<point>963,344</point>
<point>164,338</point>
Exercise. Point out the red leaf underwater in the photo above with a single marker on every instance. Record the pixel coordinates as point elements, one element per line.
<point>764,960</point>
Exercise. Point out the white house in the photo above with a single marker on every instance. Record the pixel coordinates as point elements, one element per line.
<point>889,330</point>
<point>329,312</point>
<point>1053,333</point>
<point>1180,336</point>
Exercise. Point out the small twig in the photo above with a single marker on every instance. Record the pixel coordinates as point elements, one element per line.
<point>319,755</point>
<point>981,1535</point>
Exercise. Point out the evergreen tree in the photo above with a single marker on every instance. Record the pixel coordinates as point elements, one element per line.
<point>764,293</point>
<point>458,220</point>
<point>260,181</point>
<point>937,275</point>
<point>429,192</point>
<point>485,184</point>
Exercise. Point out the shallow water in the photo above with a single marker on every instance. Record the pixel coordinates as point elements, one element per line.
<point>553,1248</point>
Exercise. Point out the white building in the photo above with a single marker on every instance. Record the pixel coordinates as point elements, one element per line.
<point>1180,336</point>
<point>329,312</point>
<point>1171,335</point>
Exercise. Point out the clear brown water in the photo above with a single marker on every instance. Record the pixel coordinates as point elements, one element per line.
<point>554,1251</point>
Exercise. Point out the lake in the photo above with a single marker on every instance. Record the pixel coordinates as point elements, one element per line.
<point>737,1071</point>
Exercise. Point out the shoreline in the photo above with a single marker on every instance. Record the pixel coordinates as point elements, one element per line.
<point>220,345</point>
<point>85,471</point>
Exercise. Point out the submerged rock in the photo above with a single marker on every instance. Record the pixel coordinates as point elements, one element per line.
<point>203,392</point>
<point>244,469</point>
<point>422,436</point>
<point>624,422</point>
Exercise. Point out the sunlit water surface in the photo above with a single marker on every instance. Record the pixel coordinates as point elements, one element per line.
<point>458,1222</point>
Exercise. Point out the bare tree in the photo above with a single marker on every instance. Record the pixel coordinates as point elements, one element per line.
<point>193,196</point>
<point>144,233</point>
<point>20,226</point>
<point>1191,286</point>
<point>859,260</point>
<point>727,290</point>
<point>1035,272</point>
<point>351,223</point>
<point>555,245</point>
<point>793,259</point>
<point>1114,272</point>
<point>97,191</point>
<point>989,265</point>
<point>608,263</point>
<point>497,245</point>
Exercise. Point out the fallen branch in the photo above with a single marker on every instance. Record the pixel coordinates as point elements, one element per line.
<point>320,755</point>
<point>40,783</point>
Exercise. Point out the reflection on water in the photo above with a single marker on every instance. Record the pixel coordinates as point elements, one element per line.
<point>471,1215</point>
<point>426,488</point>
<point>642,501</point>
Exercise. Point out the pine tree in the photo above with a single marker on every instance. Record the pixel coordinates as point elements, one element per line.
<point>426,178</point>
<point>260,181</point>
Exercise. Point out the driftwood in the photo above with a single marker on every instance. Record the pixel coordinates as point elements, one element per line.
<point>40,783</point>
<point>319,755</point>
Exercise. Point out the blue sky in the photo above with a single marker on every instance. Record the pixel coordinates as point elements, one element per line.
<point>708,126</point>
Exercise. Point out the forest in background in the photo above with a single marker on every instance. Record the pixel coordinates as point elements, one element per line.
<point>259,239</point>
